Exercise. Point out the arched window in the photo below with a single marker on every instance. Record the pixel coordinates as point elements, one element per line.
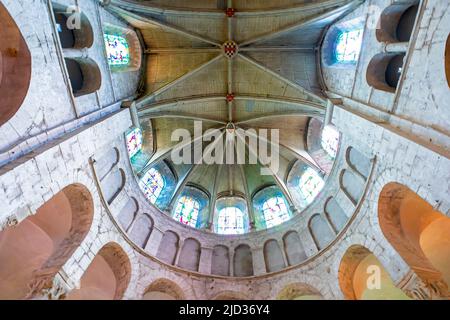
<point>134,142</point>
<point>330,140</point>
<point>230,221</point>
<point>310,184</point>
<point>117,50</point>
<point>275,211</point>
<point>186,211</point>
<point>348,46</point>
<point>152,183</point>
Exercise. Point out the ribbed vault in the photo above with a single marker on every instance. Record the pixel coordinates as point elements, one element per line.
<point>231,64</point>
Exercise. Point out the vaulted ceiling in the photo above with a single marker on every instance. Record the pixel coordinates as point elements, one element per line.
<point>270,81</point>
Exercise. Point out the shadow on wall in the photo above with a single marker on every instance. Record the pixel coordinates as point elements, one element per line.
<point>32,252</point>
<point>447,60</point>
<point>15,67</point>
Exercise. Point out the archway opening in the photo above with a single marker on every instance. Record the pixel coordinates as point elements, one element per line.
<point>15,66</point>
<point>363,277</point>
<point>33,251</point>
<point>73,27</point>
<point>299,291</point>
<point>84,75</point>
<point>107,276</point>
<point>420,234</point>
<point>384,71</point>
<point>163,289</point>
<point>397,22</point>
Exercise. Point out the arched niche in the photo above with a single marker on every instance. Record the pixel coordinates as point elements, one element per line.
<point>351,185</point>
<point>107,277</point>
<point>293,248</point>
<point>273,256</point>
<point>447,60</point>
<point>141,230</point>
<point>190,255</point>
<point>168,247</point>
<point>128,213</point>
<point>32,252</point>
<point>384,70</point>
<point>84,75</point>
<point>220,261</point>
<point>163,289</point>
<point>106,162</point>
<point>320,231</point>
<point>134,47</point>
<point>15,66</point>
<point>299,291</point>
<point>420,234</point>
<point>73,27</point>
<point>335,214</point>
<point>113,184</point>
<point>358,162</point>
<point>397,22</point>
<point>243,261</point>
<point>363,277</point>
<point>230,295</point>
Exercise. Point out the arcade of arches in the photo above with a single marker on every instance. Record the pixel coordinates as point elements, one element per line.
<point>352,103</point>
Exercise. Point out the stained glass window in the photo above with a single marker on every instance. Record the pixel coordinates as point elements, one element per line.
<point>134,141</point>
<point>186,211</point>
<point>310,184</point>
<point>152,183</point>
<point>230,221</point>
<point>275,211</point>
<point>348,46</point>
<point>330,140</point>
<point>117,50</point>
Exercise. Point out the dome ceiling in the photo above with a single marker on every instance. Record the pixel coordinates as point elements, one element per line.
<point>251,67</point>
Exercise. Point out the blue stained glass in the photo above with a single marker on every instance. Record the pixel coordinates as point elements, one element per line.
<point>310,184</point>
<point>230,221</point>
<point>134,141</point>
<point>348,46</point>
<point>186,211</point>
<point>275,211</point>
<point>330,140</point>
<point>152,183</point>
<point>117,50</point>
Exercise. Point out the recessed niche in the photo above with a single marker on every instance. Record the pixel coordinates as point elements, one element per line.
<point>397,22</point>
<point>15,66</point>
<point>74,29</point>
<point>84,75</point>
<point>384,71</point>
